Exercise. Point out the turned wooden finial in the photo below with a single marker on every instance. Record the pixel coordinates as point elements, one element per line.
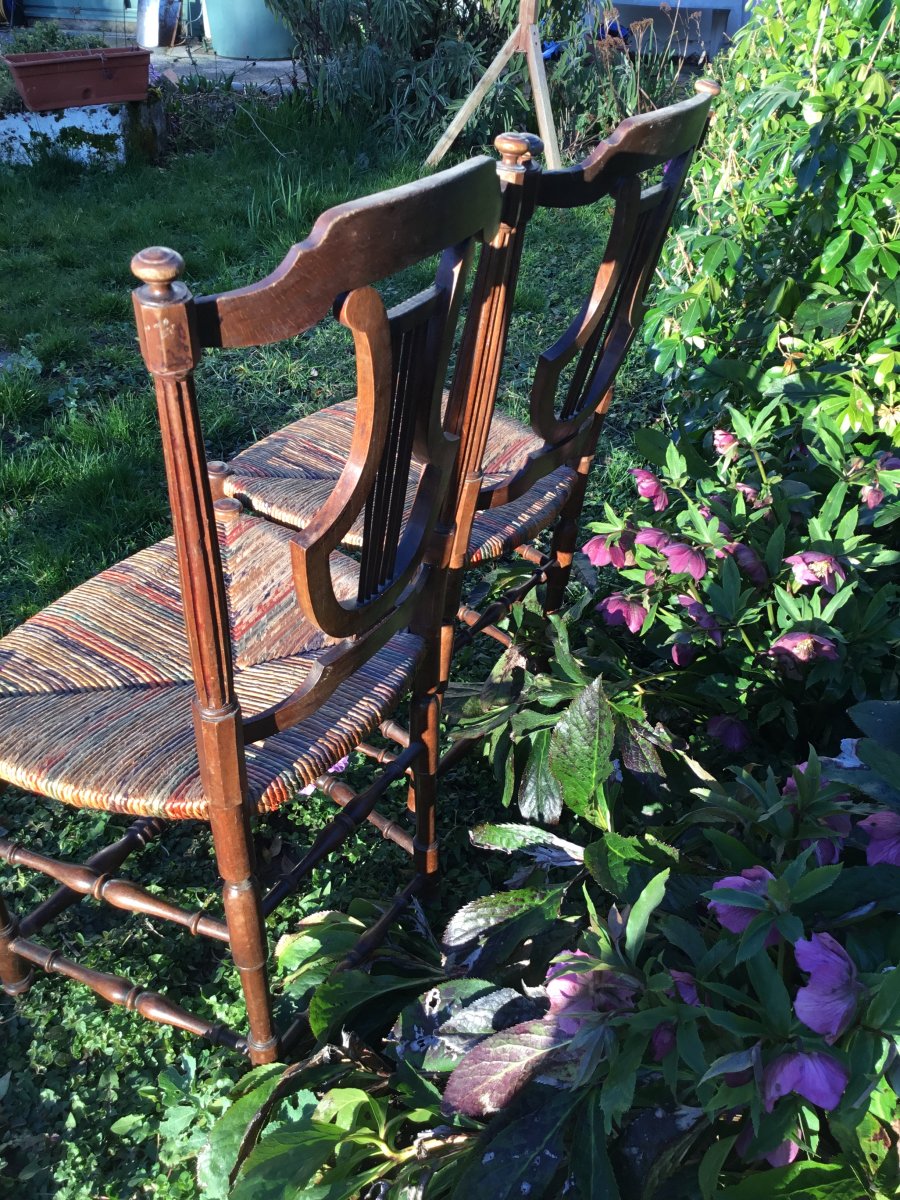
<point>158,267</point>
<point>707,87</point>
<point>516,149</point>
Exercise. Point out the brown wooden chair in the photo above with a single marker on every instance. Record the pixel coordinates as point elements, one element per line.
<point>533,477</point>
<point>217,673</point>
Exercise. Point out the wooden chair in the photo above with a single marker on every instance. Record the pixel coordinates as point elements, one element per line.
<point>217,673</point>
<point>536,476</point>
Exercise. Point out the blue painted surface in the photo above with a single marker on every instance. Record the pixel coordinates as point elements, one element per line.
<point>93,14</point>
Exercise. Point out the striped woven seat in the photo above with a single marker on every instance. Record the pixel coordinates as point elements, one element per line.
<point>289,474</point>
<point>95,691</point>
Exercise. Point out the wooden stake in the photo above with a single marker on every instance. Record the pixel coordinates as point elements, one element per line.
<point>525,39</point>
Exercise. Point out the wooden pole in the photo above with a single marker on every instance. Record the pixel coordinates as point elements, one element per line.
<point>525,39</point>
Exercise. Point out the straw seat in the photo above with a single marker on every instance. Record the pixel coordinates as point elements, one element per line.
<point>96,690</point>
<point>289,475</point>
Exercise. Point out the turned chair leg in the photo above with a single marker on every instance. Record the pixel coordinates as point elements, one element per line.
<point>565,540</point>
<point>246,927</point>
<point>16,975</point>
<point>425,721</point>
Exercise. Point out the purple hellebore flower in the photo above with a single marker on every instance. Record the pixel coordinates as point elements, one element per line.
<point>685,560</point>
<point>750,563</point>
<point>817,569</point>
<point>650,488</point>
<point>803,647</point>
<point>781,1156</point>
<point>662,1041</point>
<point>654,538</point>
<point>888,462</point>
<point>828,849</point>
<point>827,1004</point>
<point>575,994</point>
<point>611,551</point>
<point>686,987</point>
<point>814,1075</point>
<point>750,494</point>
<point>619,610</point>
<point>883,831</point>
<point>683,650</point>
<point>732,733</point>
<point>334,769</point>
<point>649,578</point>
<point>731,916</point>
<point>724,443</point>
<point>702,617</point>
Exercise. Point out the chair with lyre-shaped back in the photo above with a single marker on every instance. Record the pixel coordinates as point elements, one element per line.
<point>536,476</point>
<point>217,674</point>
<point>530,477</point>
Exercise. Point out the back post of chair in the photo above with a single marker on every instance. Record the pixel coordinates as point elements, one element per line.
<point>473,391</point>
<point>164,310</point>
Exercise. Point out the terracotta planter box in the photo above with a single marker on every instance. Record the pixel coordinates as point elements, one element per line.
<point>72,78</point>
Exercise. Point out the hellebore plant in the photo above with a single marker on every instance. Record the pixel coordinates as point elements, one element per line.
<point>753,565</point>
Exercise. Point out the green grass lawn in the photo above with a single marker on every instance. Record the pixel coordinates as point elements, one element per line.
<point>81,485</point>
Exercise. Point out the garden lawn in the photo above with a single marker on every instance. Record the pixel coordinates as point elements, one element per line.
<point>81,486</point>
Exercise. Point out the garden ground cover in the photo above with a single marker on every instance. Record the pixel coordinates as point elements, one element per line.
<point>81,485</point>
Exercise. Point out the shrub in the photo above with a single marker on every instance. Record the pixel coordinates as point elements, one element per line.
<point>789,256</point>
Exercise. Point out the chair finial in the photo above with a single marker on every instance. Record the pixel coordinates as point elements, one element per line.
<point>515,149</point>
<point>707,87</point>
<point>158,267</point>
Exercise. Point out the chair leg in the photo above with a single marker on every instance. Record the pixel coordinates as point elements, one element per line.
<point>246,927</point>
<point>16,975</point>
<point>425,721</point>
<point>565,540</point>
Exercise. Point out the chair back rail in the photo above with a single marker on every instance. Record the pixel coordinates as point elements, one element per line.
<point>568,416</point>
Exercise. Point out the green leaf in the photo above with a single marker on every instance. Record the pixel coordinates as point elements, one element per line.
<point>591,1168</point>
<point>546,847</point>
<point>491,1074</point>
<point>799,1181</point>
<point>711,1166</point>
<point>476,1020</point>
<point>218,1158</point>
<point>815,881</point>
<point>644,907</point>
<point>835,251</point>
<point>286,1161</point>
<point>540,795</point>
<point>581,754</point>
<point>340,996</point>
<point>416,1027</point>
<point>124,1125</point>
<point>522,1152</point>
<point>504,920</point>
<point>770,988</point>
<point>611,859</point>
<point>832,505</point>
<point>884,1010</point>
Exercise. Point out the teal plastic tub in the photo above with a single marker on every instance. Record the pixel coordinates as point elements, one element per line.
<point>247,29</point>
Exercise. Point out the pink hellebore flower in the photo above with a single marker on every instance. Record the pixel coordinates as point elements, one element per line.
<point>724,443</point>
<point>335,769</point>
<point>803,647</point>
<point>731,916</point>
<point>883,832</point>
<point>685,560</point>
<point>732,733</point>
<point>610,551</point>
<point>871,495</point>
<point>650,488</point>
<point>654,538</point>
<point>815,1076</point>
<point>827,1004</point>
<point>619,610</point>
<point>817,569</point>
<point>750,563</point>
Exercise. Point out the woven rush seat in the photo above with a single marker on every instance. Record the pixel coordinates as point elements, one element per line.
<point>95,691</point>
<point>289,474</point>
